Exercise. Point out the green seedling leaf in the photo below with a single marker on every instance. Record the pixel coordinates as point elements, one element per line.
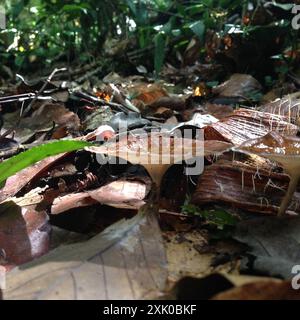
<point>198,28</point>
<point>29,157</point>
<point>218,218</point>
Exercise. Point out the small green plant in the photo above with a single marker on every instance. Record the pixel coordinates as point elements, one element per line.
<point>218,218</point>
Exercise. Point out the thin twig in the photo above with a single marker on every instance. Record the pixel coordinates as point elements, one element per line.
<point>41,90</point>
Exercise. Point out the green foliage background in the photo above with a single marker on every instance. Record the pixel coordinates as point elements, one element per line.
<point>41,33</point>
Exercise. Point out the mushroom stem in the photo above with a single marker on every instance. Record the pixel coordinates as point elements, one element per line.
<point>156,172</point>
<point>155,194</point>
<point>289,194</point>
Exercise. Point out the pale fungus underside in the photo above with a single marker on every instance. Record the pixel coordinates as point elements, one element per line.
<point>157,152</point>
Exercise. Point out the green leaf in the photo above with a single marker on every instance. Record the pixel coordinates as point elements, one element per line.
<point>167,28</point>
<point>198,28</point>
<point>212,84</point>
<point>76,7</point>
<point>283,69</point>
<point>218,218</point>
<point>19,60</point>
<point>132,6</point>
<point>29,157</point>
<point>17,8</point>
<point>195,9</point>
<point>283,6</point>
<point>176,32</point>
<point>159,55</point>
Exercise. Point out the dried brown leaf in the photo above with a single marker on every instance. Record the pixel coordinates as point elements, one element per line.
<point>126,261</point>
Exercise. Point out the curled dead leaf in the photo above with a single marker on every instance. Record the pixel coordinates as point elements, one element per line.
<point>238,85</point>
<point>120,194</point>
<point>24,232</point>
<point>126,261</point>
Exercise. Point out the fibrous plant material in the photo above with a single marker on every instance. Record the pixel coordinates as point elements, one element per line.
<point>244,185</point>
<point>288,106</point>
<point>246,124</point>
<point>286,151</point>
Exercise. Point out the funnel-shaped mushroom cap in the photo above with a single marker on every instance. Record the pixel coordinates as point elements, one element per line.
<point>157,151</point>
<point>285,150</point>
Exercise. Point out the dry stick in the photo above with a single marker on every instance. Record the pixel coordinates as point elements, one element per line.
<point>42,89</point>
<point>113,105</point>
<point>88,75</point>
<point>124,101</point>
<point>24,113</point>
<point>96,100</point>
<point>6,133</point>
<point>176,214</point>
<point>7,153</point>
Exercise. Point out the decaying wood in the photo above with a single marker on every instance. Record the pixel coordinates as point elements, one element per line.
<point>288,106</point>
<point>244,186</point>
<point>246,124</point>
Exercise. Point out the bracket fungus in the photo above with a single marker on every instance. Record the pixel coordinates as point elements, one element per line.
<point>157,151</point>
<point>284,150</point>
